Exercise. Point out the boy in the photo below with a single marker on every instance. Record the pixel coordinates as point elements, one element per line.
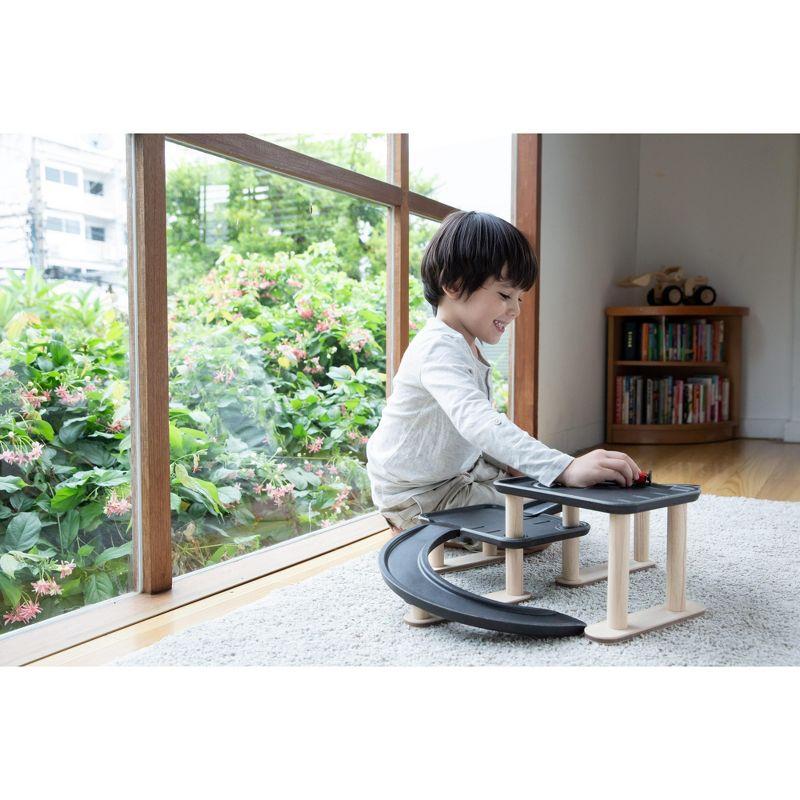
<point>440,443</point>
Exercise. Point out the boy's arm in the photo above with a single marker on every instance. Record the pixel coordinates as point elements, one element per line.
<point>446,373</point>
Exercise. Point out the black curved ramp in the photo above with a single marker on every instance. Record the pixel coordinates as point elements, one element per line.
<point>405,567</point>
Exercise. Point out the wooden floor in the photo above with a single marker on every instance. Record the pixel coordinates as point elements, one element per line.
<point>759,468</point>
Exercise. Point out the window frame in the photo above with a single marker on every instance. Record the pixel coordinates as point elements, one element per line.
<point>155,589</point>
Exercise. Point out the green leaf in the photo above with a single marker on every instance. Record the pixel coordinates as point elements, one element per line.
<point>98,587</point>
<point>90,513</point>
<point>200,417</point>
<point>235,445</point>
<point>95,453</point>
<point>9,564</point>
<point>71,587</point>
<point>207,490</point>
<point>123,551</point>
<point>70,525</point>
<point>85,549</point>
<point>229,494</point>
<point>72,430</point>
<point>43,429</point>
<point>174,502</point>
<point>11,592</point>
<point>67,498</point>
<point>108,477</point>
<point>11,483</point>
<point>23,531</point>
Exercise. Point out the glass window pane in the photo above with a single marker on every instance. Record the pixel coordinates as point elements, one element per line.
<point>359,152</point>
<point>52,174</point>
<point>277,354</point>
<point>65,487</point>
<point>72,226</point>
<point>472,173</point>
<point>70,178</point>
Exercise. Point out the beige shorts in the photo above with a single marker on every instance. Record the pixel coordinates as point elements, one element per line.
<point>467,489</point>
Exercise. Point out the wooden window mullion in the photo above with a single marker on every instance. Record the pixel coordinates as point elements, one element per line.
<point>397,268</point>
<point>526,215</point>
<point>149,366</point>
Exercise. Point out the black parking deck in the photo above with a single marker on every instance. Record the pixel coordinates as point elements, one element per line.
<point>608,497</point>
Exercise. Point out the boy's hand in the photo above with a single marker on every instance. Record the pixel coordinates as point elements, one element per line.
<point>599,466</point>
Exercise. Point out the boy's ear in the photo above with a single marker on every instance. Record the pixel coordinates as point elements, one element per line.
<point>453,292</point>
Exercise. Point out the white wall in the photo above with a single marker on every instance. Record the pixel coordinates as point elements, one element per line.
<point>726,206</point>
<point>589,211</point>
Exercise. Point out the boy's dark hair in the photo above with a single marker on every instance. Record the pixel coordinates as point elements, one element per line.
<point>470,247</point>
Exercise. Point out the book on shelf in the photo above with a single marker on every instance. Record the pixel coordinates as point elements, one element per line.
<point>698,340</point>
<point>671,400</point>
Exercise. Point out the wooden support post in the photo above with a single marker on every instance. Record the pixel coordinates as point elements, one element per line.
<point>436,557</point>
<point>418,617</point>
<point>514,555</point>
<point>676,558</point>
<point>618,535</point>
<point>514,591</point>
<point>570,548</point>
<point>641,536</point>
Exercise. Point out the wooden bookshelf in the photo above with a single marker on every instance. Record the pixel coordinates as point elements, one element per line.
<point>729,367</point>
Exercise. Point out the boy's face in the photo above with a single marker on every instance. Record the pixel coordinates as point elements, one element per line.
<point>488,311</point>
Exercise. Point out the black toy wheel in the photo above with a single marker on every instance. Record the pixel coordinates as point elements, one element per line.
<point>672,296</point>
<point>651,298</point>
<point>704,296</point>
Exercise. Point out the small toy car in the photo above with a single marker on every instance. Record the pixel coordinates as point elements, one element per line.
<point>672,288</point>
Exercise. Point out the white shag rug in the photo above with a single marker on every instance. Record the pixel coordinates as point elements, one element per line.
<point>743,565</point>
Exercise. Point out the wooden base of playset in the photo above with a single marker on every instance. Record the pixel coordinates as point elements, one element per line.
<point>489,555</point>
<point>649,619</point>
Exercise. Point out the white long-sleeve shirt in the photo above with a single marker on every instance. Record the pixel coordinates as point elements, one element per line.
<point>439,419</point>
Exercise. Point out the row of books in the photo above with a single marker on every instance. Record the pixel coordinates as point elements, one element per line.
<point>671,401</point>
<point>699,340</point>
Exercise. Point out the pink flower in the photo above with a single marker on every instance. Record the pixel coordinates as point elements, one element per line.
<point>33,398</point>
<point>65,568</point>
<point>68,398</point>
<point>48,587</point>
<point>226,375</point>
<point>117,506</point>
<point>314,367</point>
<point>277,493</point>
<point>303,308</point>
<point>21,458</point>
<point>280,467</point>
<point>364,439</point>
<point>118,425</point>
<point>322,327</point>
<point>319,472</point>
<point>24,613</point>
<point>357,338</point>
<point>296,284</point>
<point>316,445</point>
